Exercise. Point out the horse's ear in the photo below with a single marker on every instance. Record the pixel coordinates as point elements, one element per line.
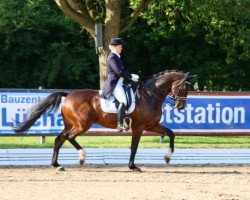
<point>186,75</point>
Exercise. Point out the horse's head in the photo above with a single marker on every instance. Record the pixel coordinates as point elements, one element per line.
<point>172,83</point>
<point>179,91</point>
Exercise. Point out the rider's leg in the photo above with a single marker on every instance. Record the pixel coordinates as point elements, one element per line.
<point>120,96</point>
<point>120,116</point>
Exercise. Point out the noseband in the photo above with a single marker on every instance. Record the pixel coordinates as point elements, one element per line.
<point>176,97</point>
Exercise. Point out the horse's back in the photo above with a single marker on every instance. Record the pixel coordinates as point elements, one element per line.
<point>83,94</point>
<point>80,97</point>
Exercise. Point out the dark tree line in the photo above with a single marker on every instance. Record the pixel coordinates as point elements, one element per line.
<point>40,46</point>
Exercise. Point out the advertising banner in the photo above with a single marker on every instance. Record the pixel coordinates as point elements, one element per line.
<point>210,113</point>
<point>204,114</point>
<point>14,108</point>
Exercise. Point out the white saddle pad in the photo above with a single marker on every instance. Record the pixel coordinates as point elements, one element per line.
<point>108,105</point>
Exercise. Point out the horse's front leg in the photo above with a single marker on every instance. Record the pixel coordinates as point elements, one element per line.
<point>170,152</point>
<point>136,136</point>
<point>163,130</point>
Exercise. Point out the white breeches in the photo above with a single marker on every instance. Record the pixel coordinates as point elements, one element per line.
<point>119,92</point>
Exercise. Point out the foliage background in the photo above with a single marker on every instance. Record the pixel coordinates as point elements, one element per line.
<point>40,46</point>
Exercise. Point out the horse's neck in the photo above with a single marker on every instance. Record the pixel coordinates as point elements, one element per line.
<point>158,92</point>
<point>157,88</point>
<point>152,94</point>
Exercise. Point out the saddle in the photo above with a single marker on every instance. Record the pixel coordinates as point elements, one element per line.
<point>111,104</point>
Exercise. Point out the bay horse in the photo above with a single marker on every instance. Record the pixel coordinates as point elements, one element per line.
<point>81,108</point>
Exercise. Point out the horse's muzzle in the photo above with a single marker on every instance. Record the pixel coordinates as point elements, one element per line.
<point>181,107</point>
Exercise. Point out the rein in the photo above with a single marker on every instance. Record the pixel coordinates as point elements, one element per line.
<point>158,94</point>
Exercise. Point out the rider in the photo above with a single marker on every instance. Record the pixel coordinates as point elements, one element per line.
<point>115,76</point>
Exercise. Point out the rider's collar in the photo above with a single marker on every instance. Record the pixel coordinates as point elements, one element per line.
<point>116,53</point>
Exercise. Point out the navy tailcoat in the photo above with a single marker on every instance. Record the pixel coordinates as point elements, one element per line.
<point>115,70</point>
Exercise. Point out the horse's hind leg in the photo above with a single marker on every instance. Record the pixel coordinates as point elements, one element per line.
<point>60,139</point>
<point>81,151</point>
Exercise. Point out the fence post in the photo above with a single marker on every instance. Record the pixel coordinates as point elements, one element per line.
<point>42,139</point>
<point>162,140</point>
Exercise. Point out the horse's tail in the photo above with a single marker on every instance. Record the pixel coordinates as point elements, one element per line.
<point>49,104</point>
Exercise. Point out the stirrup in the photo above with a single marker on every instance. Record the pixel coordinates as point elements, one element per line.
<point>126,128</point>
<point>120,127</point>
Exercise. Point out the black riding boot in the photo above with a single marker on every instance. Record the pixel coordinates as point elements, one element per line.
<point>120,115</point>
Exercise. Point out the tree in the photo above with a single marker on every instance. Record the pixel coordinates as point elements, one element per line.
<point>109,13</point>
<point>40,47</point>
<point>208,38</point>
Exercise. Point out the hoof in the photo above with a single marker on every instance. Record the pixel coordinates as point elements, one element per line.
<point>60,168</point>
<point>55,165</point>
<point>81,162</point>
<point>135,169</point>
<point>167,159</point>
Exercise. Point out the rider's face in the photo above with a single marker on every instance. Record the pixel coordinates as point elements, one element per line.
<point>118,48</point>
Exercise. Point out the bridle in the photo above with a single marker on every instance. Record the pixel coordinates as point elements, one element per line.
<point>176,97</point>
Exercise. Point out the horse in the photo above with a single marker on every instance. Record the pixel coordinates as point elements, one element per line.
<point>81,108</point>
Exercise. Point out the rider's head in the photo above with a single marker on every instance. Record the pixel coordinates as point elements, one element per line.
<point>116,45</point>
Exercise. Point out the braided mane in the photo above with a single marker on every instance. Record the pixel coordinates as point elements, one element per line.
<point>166,71</point>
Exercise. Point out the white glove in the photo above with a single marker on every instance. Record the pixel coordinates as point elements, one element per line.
<point>135,77</point>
